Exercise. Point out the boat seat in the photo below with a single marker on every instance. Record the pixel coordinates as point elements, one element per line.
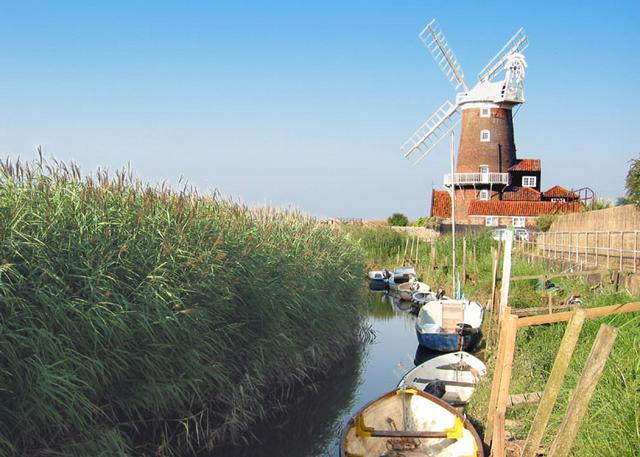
<point>452,315</point>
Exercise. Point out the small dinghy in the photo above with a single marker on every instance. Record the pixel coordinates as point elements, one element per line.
<point>378,279</point>
<point>402,275</point>
<point>407,289</point>
<point>451,377</point>
<point>449,325</point>
<point>410,423</point>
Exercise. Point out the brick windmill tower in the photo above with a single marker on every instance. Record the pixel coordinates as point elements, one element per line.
<point>487,149</point>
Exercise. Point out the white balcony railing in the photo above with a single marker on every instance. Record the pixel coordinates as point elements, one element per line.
<point>462,179</point>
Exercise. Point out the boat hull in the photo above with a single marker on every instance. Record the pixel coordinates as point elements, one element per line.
<point>448,342</point>
<point>409,422</point>
<point>378,284</point>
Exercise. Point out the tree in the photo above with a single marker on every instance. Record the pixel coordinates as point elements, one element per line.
<point>398,219</point>
<point>633,182</point>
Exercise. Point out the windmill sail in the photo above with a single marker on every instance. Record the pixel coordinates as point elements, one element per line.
<point>431,132</point>
<point>518,43</point>
<point>436,43</point>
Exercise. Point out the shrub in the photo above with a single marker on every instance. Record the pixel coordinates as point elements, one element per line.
<point>398,219</point>
<point>543,224</point>
<point>633,182</point>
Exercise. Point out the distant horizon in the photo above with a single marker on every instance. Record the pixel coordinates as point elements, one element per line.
<point>305,107</point>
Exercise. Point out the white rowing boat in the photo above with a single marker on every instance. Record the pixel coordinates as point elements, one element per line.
<point>451,377</point>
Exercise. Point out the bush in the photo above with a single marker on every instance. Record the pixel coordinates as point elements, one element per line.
<point>633,182</point>
<point>543,224</point>
<point>398,219</point>
<point>429,222</point>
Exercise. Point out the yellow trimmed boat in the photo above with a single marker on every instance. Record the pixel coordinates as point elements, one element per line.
<point>409,423</point>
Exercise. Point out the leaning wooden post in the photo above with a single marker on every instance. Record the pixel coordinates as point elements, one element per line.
<point>583,392</point>
<point>417,247</point>
<point>501,372</point>
<point>404,255</point>
<point>556,378</point>
<point>511,330</point>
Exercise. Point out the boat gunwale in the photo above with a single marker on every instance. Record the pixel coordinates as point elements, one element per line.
<point>467,424</point>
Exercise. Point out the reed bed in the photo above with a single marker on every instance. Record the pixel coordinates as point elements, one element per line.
<point>143,320</point>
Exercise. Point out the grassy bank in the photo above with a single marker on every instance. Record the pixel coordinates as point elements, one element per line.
<point>612,425</point>
<point>134,315</point>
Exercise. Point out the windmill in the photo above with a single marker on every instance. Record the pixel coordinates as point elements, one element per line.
<point>489,92</point>
<point>487,148</point>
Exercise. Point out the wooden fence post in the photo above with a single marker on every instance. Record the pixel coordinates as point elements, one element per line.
<point>635,252</point>
<point>417,248</point>
<point>556,378</point>
<point>608,247</point>
<point>433,255</point>
<point>621,246</point>
<point>583,392</point>
<point>511,330</point>
<point>506,272</point>
<point>501,373</point>
<point>464,260</point>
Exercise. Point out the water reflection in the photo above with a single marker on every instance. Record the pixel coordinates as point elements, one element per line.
<point>313,420</point>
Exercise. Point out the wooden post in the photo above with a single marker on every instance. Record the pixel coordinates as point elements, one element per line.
<point>556,378</point>
<point>398,257</point>
<point>494,278</point>
<point>475,265</point>
<point>621,246</point>
<point>583,392</point>
<point>495,384</point>
<point>464,260</point>
<point>608,247</point>
<point>595,249</point>
<point>635,252</point>
<point>505,368</point>
<point>506,272</point>
<point>433,255</point>
<point>404,255</point>
<point>417,248</point>
<point>550,303</point>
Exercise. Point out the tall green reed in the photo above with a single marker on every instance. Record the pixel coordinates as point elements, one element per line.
<point>143,319</point>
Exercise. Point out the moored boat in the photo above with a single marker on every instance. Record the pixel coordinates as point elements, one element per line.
<point>409,422</point>
<point>407,289</point>
<point>378,280</point>
<point>402,275</point>
<point>454,375</point>
<point>449,325</point>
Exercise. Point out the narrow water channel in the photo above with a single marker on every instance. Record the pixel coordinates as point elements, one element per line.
<point>314,418</point>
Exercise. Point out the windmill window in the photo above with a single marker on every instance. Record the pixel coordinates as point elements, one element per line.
<point>484,168</point>
<point>485,135</point>
<point>484,194</point>
<point>528,181</point>
<point>485,112</point>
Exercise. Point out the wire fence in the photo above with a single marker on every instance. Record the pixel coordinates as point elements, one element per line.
<point>613,250</point>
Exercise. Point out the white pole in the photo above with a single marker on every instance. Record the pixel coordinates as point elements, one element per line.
<point>506,271</point>
<point>453,218</point>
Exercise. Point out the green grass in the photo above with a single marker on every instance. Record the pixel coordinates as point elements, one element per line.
<point>133,315</point>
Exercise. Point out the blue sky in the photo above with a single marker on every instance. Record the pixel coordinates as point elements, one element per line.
<point>306,104</point>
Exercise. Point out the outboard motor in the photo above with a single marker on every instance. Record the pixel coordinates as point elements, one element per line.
<point>465,329</point>
<point>435,388</point>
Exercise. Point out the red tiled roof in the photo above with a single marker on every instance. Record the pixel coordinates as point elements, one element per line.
<point>521,193</point>
<point>440,204</point>
<point>526,165</point>
<point>560,192</point>
<point>521,208</point>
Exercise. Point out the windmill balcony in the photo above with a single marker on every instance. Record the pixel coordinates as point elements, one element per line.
<point>463,179</point>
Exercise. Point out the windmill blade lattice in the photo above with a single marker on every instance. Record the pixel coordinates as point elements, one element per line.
<point>431,132</point>
<point>518,43</point>
<point>436,43</point>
